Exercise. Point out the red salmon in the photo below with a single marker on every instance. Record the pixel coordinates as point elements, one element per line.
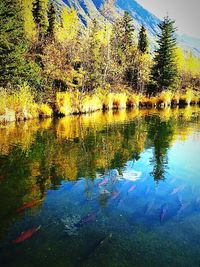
<point>163,211</point>
<point>149,206</point>
<point>28,205</point>
<point>26,235</point>
<point>86,219</point>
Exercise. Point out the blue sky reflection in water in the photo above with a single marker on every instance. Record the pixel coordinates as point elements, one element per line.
<point>121,192</point>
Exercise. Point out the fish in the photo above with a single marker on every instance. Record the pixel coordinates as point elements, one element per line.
<point>132,188</point>
<point>180,201</point>
<point>115,195</point>
<point>26,235</point>
<point>149,206</point>
<point>96,246</point>
<point>163,211</point>
<point>177,190</point>
<point>86,219</point>
<point>182,208</point>
<point>147,190</point>
<point>78,183</point>
<point>197,203</point>
<point>28,205</point>
<point>172,181</point>
<point>104,182</point>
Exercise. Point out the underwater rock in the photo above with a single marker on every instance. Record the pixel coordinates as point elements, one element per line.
<point>104,192</point>
<point>131,175</point>
<point>70,224</point>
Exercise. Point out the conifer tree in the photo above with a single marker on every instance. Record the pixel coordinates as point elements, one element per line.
<point>127,25</point>
<point>51,20</point>
<point>12,43</point>
<point>143,41</point>
<point>164,72</point>
<point>40,8</point>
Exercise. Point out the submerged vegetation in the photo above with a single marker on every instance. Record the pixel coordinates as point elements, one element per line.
<point>51,63</point>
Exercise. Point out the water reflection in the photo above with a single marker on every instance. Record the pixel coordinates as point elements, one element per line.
<point>112,171</point>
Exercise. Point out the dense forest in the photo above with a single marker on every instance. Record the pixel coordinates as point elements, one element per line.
<point>51,63</point>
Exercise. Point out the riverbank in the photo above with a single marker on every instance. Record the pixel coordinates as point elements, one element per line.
<point>21,105</point>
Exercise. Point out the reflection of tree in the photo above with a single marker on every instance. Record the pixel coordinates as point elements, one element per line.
<point>37,155</point>
<point>161,135</point>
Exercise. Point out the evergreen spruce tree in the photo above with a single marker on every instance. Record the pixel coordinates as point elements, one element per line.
<point>13,45</point>
<point>128,29</point>
<point>143,41</point>
<point>164,72</point>
<point>40,8</point>
<point>51,20</point>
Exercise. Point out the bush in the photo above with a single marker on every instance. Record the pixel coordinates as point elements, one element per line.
<point>45,111</point>
<point>18,104</point>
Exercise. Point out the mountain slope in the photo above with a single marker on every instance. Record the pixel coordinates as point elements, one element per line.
<point>108,10</point>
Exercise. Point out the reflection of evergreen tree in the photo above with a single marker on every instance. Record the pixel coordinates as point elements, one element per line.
<point>160,133</point>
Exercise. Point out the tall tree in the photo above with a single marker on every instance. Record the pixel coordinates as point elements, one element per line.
<point>51,20</point>
<point>68,31</point>
<point>122,49</point>
<point>40,8</point>
<point>12,42</point>
<point>127,24</point>
<point>29,23</point>
<point>164,71</point>
<point>142,40</point>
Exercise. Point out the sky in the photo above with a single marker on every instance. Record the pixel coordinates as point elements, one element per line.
<point>186,13</point>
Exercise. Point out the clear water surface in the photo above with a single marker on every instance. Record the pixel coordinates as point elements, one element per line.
<point>106,189</point>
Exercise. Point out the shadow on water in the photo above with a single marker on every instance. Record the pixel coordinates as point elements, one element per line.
<point>105,189</point>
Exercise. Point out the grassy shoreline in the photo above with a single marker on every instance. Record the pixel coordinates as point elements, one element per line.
<point>20,106</point>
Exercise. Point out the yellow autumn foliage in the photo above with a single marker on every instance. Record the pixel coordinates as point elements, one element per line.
<point>45,111</point>
<point>68,30</point>
<point>29,24</point>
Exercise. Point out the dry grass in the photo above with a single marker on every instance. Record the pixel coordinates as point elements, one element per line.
<point>63,103</point>
<point>18,105</point>
<point>90,103</point>
<point>134,100</point>
<point>165,98</point>
<point>119,101</point>
<point>189,96</point>
<point>45,111</point>
<point>107,101</point>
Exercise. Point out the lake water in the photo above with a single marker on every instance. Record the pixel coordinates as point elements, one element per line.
<point>105,189</point>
